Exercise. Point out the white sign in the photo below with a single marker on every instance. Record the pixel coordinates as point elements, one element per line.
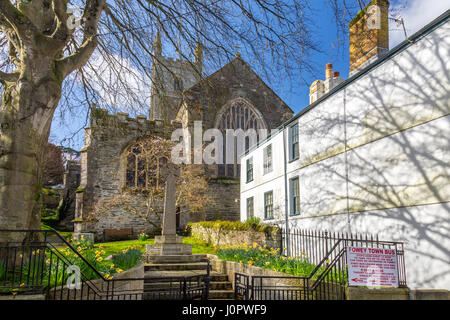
<point>372,267</point>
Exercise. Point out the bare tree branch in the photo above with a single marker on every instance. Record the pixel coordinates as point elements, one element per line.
<point>17,21</point>
<point>9,77</point>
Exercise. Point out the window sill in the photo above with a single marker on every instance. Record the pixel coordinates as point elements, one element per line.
<point>292,160</point>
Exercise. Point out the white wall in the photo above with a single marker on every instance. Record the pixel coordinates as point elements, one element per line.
<point>395,124</point>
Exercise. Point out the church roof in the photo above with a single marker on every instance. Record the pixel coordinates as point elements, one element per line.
<point>240,67</point>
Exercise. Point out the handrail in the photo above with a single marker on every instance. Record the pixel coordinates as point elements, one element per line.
<point>98,292</point>
<point>327,269</point>
<point>63,258</point>
<point>334,254</point>
<point>324,259</point>
<point>68,262</point>
<point>64,241</point>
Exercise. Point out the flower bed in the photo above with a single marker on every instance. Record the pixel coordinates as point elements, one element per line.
<point>96,256</point>
<point>269,258</point>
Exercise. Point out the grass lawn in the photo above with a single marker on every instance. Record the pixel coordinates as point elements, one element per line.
<point>198,247</point>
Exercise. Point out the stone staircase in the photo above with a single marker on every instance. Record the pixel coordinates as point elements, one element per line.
<point>158,272</point>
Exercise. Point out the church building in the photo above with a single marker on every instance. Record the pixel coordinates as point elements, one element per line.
<point>233,97</point>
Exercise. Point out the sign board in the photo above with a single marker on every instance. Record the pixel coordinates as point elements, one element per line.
<point>372,267</point>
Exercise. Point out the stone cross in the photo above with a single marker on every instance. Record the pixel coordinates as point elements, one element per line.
<point>169,217</point>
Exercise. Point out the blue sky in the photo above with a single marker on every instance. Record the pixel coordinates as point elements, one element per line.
<point>68,130</point>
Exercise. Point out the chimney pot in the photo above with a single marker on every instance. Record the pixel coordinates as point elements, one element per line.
<point>328,71</point>
<point>336,74</point>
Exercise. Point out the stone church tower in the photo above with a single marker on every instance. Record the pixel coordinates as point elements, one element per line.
<point>170,77</point>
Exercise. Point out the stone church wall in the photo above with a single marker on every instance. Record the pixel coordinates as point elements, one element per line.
<point>103,171</point>
<point>224,195</point>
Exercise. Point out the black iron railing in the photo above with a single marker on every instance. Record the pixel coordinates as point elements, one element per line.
<point>241,287</point>
<point>31,264</point>
<point>322,247</point>
<point>177,288</point>
<point>326,250</point>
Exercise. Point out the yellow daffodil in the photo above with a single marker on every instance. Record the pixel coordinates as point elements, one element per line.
<point>119,270</point>
<point>100,259</point>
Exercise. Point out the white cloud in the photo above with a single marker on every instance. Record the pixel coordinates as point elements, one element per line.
<point>123,86</point>
<point>416,14</point>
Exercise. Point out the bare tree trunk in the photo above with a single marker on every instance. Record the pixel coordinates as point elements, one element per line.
<point>37,33</point>
<point>26,115</point>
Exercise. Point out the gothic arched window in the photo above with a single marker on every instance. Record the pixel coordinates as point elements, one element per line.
<point>144,165</point>
<point>237,114</point>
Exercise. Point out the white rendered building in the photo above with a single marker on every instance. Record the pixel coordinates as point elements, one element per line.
<point>370,155</point>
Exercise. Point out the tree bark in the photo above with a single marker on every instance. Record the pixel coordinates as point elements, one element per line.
<point>37,35</point>
<point>27,110</point>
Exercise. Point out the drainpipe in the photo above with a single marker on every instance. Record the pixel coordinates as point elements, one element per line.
<point>349,227</point>
<point>286,206</point>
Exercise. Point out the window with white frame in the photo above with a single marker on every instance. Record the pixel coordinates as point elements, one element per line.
<point>294,195</point>
<point>268,205</point>
<point>293,142</point>
<point>250,169</point>
<point>267,159</point>
<point>250,208</point>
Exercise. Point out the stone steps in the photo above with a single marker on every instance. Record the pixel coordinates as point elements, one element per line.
<point>214,276</point>
<point>221,294</point>
<point>213,285</point>
<point>159,276</point>
<point>177,259</point>
<point>175,266</point>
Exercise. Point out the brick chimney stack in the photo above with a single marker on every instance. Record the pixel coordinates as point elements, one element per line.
<point>332,79</point>
<point>328,71</point>
<point>369,35</point>
<point>319,87</point>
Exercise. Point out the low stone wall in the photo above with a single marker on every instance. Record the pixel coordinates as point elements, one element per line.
<point>23,297</point>
<point>223,237</point>
<point>364,293</point>
<point>431,294</point>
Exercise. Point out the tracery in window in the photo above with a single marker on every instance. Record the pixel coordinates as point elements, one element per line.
<point>145,164</point>
<point>238,114</point>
